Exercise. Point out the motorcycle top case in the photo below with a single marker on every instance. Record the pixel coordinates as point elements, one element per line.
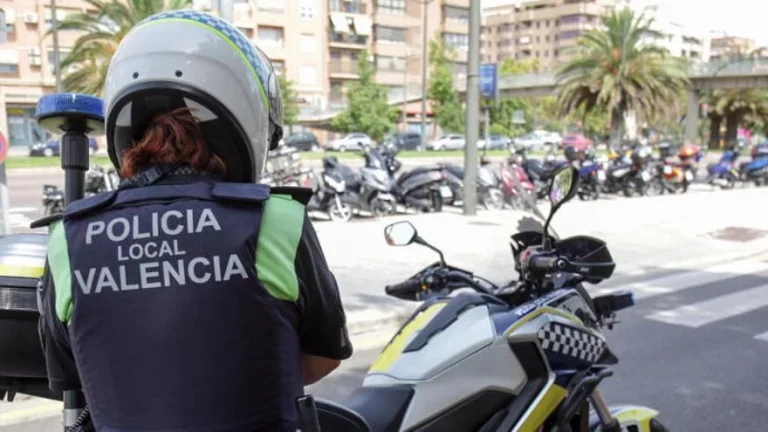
<point>22,260</point>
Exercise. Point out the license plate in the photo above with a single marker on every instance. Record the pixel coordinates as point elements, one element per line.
<point>446,192</point>
<point>600,176</point>
<point>645,176</point>
<point>688,175</point>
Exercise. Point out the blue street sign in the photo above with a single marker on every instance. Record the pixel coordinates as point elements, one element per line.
<point>489,81</point>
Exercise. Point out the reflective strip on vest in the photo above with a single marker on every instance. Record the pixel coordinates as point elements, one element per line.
<point>281,226</point>
<point>58,262</point>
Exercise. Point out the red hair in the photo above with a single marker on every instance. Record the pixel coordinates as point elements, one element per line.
<point>173,138</point>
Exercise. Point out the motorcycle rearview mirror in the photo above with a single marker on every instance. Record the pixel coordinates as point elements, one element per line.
<point>404,233</point>
<point>562,188</point>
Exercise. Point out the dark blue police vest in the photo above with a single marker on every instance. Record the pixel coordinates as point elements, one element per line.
<point>170,325</point>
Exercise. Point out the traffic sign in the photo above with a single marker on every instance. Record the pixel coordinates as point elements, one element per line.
<point>3,147</point>
<point>489,81</point>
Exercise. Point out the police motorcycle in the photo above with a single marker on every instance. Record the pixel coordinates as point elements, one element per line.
<point>97,180</point>
<point>526,356</point>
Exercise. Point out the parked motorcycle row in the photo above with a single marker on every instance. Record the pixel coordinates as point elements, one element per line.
<point>97,179</point>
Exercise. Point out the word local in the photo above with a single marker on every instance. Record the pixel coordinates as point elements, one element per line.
<point>169,265</point>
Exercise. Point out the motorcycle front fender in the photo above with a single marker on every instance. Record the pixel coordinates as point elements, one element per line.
<point>628,415</point>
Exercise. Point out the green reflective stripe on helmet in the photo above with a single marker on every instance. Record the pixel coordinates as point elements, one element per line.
<point>229,41</point>
<point>281,226</point>
<point>58,262</point>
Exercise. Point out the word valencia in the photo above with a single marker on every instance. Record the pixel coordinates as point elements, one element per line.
<point>150,255</point>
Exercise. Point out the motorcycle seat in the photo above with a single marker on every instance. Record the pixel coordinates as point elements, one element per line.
<point>383,408</point>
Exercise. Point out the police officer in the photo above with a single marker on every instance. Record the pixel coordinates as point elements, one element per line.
<point>191,298</point>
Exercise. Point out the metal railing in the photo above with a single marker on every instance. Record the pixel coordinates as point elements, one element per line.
<point>334,37</point>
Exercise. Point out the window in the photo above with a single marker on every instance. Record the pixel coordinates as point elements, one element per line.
<point>307,75</point>
<point>572,19</point>
<point>456,40</point>
<point>51,58</point>
<point>307,9</point>
<point>271,35</point>
<point>335,55</point>
<point>3,28</point>
<point>390,34</point>
<point>460,69</point>
<point>392,7</point>
<point>307,43</point>
<point>456,14</point>
<point>390,63</point>
<point>270,5</point>
<point>570,34</point>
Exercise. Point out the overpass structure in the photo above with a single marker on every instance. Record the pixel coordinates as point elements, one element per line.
<point>704,77</point>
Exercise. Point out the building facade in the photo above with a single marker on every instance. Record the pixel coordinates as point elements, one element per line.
<point>724,46</point>
<point>546,30</point>
<point>315,43</point>
<point>27,63</point>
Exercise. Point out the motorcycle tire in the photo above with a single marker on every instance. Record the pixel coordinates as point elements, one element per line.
<point>515,202</point>
<point>382,208</point>
<point>493,199</point>
<point>654,188</point>
<point>656,426</point>
<point>343,214</point>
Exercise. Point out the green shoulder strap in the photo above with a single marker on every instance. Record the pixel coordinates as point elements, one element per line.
<point>58,263</point>
<point>281,226</point>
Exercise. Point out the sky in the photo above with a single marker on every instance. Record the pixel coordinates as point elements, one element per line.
<point>744,18</point>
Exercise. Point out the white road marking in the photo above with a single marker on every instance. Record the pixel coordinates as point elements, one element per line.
<point>762,336</point>
<point>715,309</point>
<point>690,279</point>
<point>13,210</point>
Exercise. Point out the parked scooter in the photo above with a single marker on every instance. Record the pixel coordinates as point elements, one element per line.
<point>513,181</point>
<point>539,172</point>
<point>422,188</point>
<point>630,173</point>
<point>669,176</point>
<point>488,192</point>
<point>370,189</point>
<point>591,173</point>
<point>756,171</point>
<point>97,180</point>
<point>724,173</point>
<point>328,189</point>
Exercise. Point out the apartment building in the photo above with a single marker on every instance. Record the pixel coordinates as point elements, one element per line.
<point>540,29</point>
<point>679,39</point>
<point>722,46</point>
<point>26,63</point>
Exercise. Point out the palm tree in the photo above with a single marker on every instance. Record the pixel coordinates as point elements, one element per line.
<point>615,68</point>
<point>101,33</point>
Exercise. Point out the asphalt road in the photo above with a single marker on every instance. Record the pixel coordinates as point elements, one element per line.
<point>694,348</point>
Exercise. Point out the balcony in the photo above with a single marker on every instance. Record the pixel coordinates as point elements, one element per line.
<point>342,69</point>
<point>455,26</point>
<point>459,3</point>
<point>350,7</point>
<point>344,40</point>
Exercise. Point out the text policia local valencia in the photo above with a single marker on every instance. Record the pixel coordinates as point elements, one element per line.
<point>144,261</point>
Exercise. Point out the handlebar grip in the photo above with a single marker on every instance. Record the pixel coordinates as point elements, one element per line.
<point>411,286</point>
<point>544,263</point>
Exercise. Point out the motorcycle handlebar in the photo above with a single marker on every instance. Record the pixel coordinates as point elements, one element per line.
<point>410,286</point>
<point>544,263</point>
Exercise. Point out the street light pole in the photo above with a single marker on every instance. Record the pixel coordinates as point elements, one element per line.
<point>424,61</point>
<point>473,109</point>
<point>55,33</point>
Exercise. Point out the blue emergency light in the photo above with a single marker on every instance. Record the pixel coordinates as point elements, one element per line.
<point>71,112</point>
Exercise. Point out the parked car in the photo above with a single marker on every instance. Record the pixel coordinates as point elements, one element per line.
<point>302,141</point>
<point>406,141</point>
<point>538,139</point>
<point>53,148</point>
<point>447,142</point>
<point>351,141</point>
<point>497,142</point>
<point>577,141</point>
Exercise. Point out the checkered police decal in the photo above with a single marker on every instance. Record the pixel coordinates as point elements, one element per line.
<point>255,58</point>
<point>570,341</point>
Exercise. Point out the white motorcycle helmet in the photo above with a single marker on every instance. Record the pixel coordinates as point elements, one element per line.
<point>192,59</point>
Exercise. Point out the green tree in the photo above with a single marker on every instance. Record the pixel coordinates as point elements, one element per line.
<point>613,68</point>
<point>449,114</point>
<point>100,34</point>
<point>368,110</point>
<point>290,103</point>
<point>502,115</point>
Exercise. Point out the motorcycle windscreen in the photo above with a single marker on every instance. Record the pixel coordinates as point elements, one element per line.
<point>535,219</point>
<point>590,254</point>
<point>22,364</point>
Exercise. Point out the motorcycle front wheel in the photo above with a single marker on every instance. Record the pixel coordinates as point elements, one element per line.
<point>340,212</point>
<point>382,208</point>
<point>493,199</point>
